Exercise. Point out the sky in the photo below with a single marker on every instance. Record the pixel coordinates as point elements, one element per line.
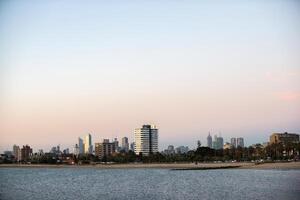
<point>68,68</point>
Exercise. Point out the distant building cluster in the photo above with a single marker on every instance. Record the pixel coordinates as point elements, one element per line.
<point>218,142</point>
<point>178,150</point>
<point>145,143</point>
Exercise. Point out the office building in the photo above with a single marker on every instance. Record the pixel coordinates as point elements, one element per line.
<point>105,148</point>
<point>117,148</point>
<point>146,140</point>
<point>125,144</point>
<point>88,148</point>
<point>240,142</point>
<point>209,141</point>
<point>233,142</point>
<point>80,146</point>
<point>284,138</point>
<point>218,142</point>
<point>76,150</point>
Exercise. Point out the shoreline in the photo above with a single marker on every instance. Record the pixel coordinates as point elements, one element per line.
<point>174,166</point>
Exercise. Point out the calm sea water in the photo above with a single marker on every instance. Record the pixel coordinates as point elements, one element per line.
<point>88,183</point>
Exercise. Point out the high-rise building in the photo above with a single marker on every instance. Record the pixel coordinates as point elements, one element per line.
<point>240,142</point>
<point>233,142</point>
<point>125,144</point>
<point>17,152</point>
<point>116,142</point>
<point>76,150</point>
<point>146,140</point>
<point>26,152</point>
<point>88,148</point>
<point>105,148</point>
<point>209,141</point>
<point>80,146</point>
<point>218,142</point>
<point>132,144</point>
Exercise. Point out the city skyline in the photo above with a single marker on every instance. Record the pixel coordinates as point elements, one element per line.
<point>107,67</point>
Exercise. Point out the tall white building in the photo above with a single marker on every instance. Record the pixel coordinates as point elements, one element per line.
<point>146,140</point>
<point>88,148</point>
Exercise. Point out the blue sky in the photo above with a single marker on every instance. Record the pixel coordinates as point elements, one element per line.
<point>69,67</point>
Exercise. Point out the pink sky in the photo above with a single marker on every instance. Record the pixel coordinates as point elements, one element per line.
<point>188,68</point>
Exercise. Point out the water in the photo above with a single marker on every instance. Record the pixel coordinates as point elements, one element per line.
<point>89,183</point>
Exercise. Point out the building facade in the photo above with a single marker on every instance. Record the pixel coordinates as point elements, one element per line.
<point>181,150</point>
<point>170,150</point>
<point>240,142</point>
<point>209,141</point>
<point>76,150</point>
<point>17,152</point>
<point>146,140</point>
<point>218,142</point>
<point>26,152</point>
<point>117,148</point>
<point>88,148</point>
<point>105,148</point>
<point>227,145</point>
<point>80,146</point>
<point>284,138</point>
<point>125,144</point>
<point>233,142</point>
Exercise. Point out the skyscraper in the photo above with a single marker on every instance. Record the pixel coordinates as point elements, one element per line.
<point>146,139</point>
<point>125,144</point>
<point>76,150</point>
<point>218,142</point>
<point>116,142</point>
<point>88,148</point>
<point>240,142</point>
<point>209,141</point>
<point>80,146</point>
<point>233,142</point>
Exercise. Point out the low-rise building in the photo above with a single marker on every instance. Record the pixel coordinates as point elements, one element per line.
<point>284,138</point>
<point>227,145</point>
<point>105,148</point>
